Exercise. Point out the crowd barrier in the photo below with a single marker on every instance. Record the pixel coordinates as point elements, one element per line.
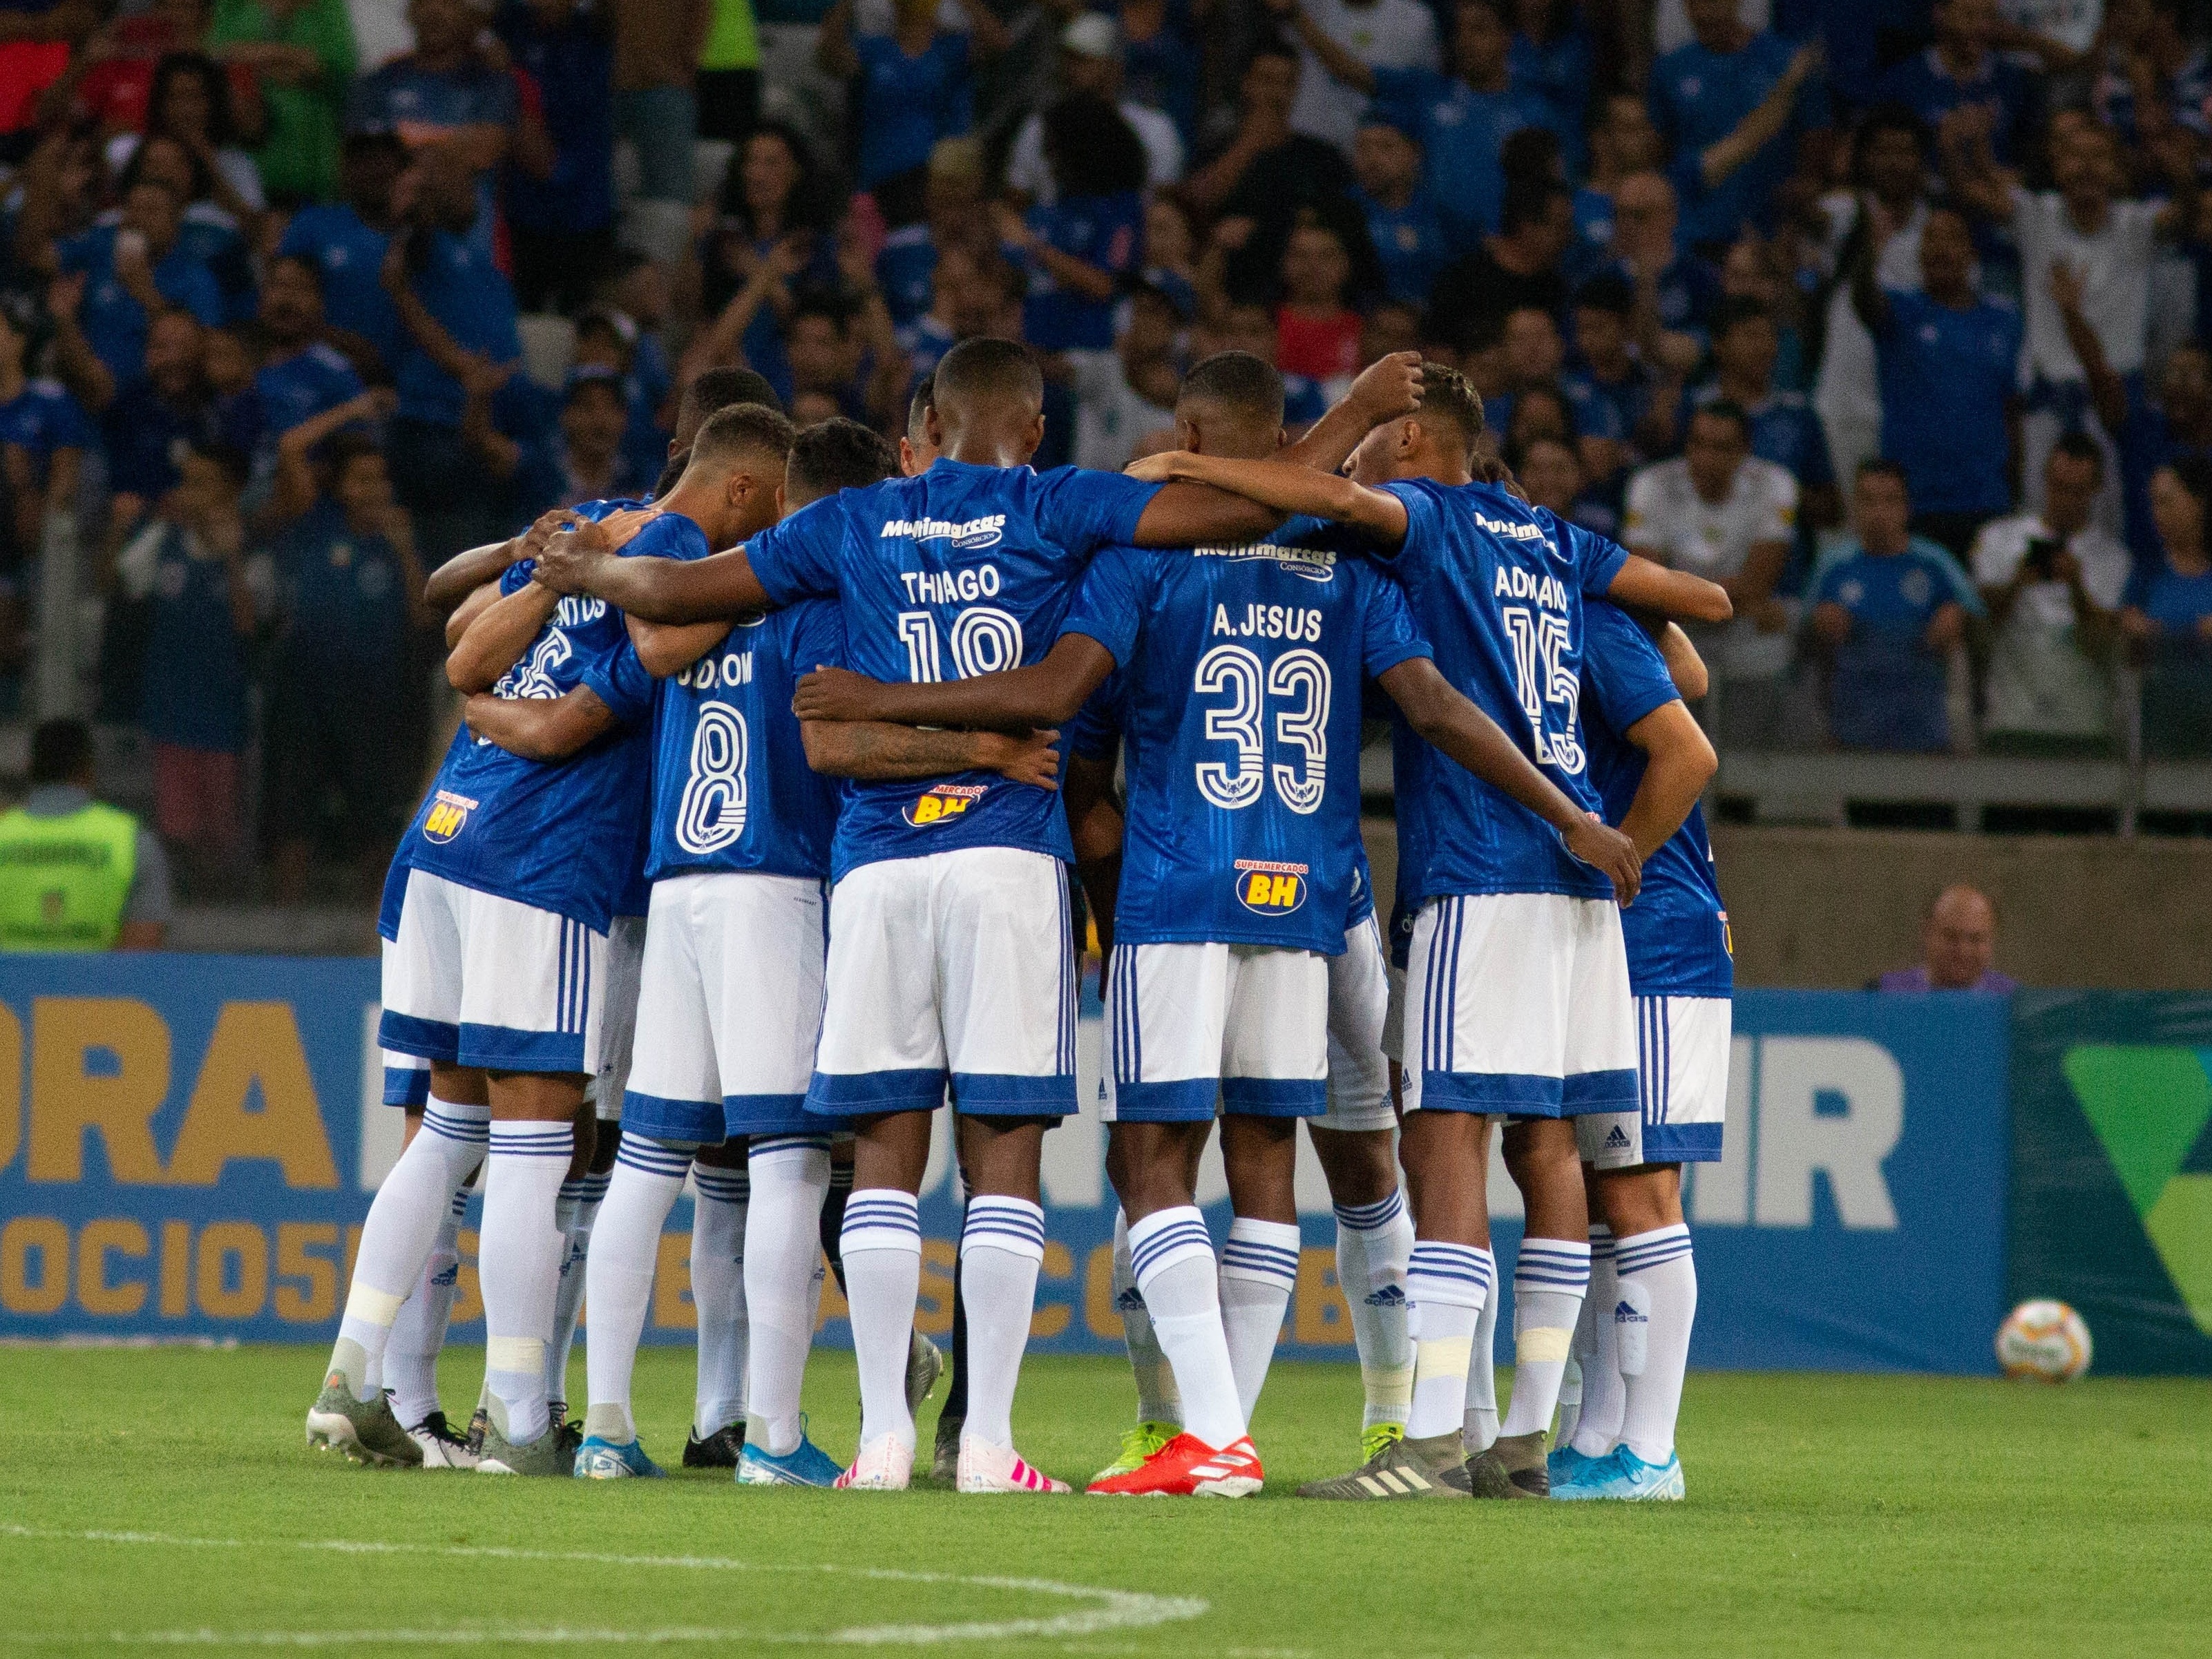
<point>188,1145</point>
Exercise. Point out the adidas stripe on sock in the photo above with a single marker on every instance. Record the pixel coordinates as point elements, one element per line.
<point>1447,1284</point>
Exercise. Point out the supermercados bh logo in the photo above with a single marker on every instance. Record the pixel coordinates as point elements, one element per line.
<point>946,801</point>
<point>970,536</point>
<point>1314,563</point>
<point>448,813</point>
<point>1270,890</point>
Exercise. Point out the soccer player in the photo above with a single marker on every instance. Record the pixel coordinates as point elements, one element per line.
<point>1238,884</point>
<point>1649,761</point>
<point>1518,985</point>
<point>495,921</point>
<point>951,960</point>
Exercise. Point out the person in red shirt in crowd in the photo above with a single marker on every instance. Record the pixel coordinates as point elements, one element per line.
<point>1316,330</point>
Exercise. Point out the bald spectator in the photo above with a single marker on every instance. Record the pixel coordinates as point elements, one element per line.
<point>1957,939</point>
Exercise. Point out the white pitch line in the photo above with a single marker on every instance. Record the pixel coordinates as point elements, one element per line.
<point>1116,1610</point>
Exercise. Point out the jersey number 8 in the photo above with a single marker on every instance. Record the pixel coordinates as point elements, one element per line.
<point>711,813</point>
<point>1236,670</point>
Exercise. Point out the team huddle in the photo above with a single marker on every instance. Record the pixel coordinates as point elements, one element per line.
<point>778,807</point>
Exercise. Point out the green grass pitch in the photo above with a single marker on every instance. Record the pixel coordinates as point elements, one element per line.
<point>163,1498</point>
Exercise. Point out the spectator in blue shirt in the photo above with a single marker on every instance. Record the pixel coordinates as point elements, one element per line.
<point>1403,221</point>
<point>778,214</point>
<point>42,436</point>
<point>1784,429</point>
<point>561,220</point>
<point>340,745</point>
<point>443,95</point>
<point>1703,92</point>
<point>209,230</point>
<point>2167,619</point>
<point>1947,362</point>
<point>2177,424</point>
<point>912,86</point>
<point>1551,57</point>
<point>1091,235</point>
<point>1624,414</point>
<point>300,375</point>
<point>1888,611</point>
<point>135,270</point>
<point>1622,145</point>
<point>345,241</point>
<point>1551,476</point>
<point>1960,68</point>
<point>1675,290</point>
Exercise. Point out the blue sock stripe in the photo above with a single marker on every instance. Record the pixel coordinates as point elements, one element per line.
<point>759,1145</point>
<point>1460,1264</point>
<point>649,1159</point>
<point>1644,1261</point>
<point>840,1179</point>
<point>506,1142</point>
<point>986,1222</point>
<point>595,1187</point>
<point>469,1131</point>
<point>572,1188</point>
<point>1366,1218</point>
<point>724,1185</point>
<point>460,1203</point>
<point>1176,1236</point>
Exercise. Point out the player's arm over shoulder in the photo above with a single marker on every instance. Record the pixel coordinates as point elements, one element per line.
<point>540,728</point>
<point>1673,594</point>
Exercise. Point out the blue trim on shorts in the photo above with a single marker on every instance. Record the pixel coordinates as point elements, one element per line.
<point>406,1085</point>
<point>503,1049</point>
<point>1524,1094</point>
<point>1272,1097</point>
<point>1682,1143</point>
<point>865,1094</point>
<point>658,1117</point>
<point>1180,1100</point>
<point>425,1039</point>
<point>998,1094</point>
<point>767,1114</point>
<point>1599,1091</point>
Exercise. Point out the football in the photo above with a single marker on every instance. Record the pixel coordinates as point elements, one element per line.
<point>2043,1340</point>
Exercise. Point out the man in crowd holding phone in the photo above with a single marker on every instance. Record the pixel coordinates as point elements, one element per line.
<point>2052,581</point>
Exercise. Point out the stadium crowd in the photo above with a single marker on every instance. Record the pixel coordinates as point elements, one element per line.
<point>1881,316</point>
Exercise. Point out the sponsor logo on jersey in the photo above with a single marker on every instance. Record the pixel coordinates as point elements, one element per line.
<point>1314,563</point>
<point>448,813</point>
<point>970,536</point>
<point>946,801</point>
<point>1270,890</point>
<point>1507,528</point>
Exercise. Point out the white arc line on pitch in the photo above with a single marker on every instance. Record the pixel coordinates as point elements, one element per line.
<point>1117,1610</point>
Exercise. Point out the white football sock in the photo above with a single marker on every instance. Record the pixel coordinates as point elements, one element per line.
<point>1596,1338</point>
<point>396,1237</point>
<point>1001,1246</point>
<point>1374,1243</point>
<point>1659,1282</point>
<point>1157,1399</point>
<point>790,1177</point>
<point>410,1356</point>
<point>1479,1428</point>
<point>1447,1284</point>
<point>577,1209</point>
<point>1259,1268</point>
<point>647,1177</point>
<point>718,1295</point>
<point>881,1247</point>
<point>519,1264</point>
<point>1550,1276</point>
<point>1173,1258</point>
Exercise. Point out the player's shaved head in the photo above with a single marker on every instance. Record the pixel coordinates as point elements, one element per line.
<point>1231,405</point>
<point>833,455</point>
<point>990,401</point>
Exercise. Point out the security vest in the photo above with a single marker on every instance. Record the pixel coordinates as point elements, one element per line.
<point>64,881</point>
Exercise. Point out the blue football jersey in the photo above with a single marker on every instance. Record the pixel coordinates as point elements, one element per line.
<point>1677,930</point>
<point>732,789</point>
<point>1496,586</point>
<point>1242,671</point>
<point>560,835</point>
<point>964,571</point>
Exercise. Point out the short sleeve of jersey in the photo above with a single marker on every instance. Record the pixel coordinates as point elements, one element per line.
<point>1091,509</point>
<point>1097,724</point>
<point>621,683</point>
<point>1422,545</point>
<point>1597,560</point>
<point>1109,606</point>
<point>1624,668</point>
<point>818,637</point>
<point>670,536</point>
<point>798,558</point>
<point>1390,636</point>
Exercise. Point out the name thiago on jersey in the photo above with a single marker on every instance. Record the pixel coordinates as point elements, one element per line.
<point>950,587</point>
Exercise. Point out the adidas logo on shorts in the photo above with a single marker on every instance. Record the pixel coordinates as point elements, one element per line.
<point>1618,1138</point>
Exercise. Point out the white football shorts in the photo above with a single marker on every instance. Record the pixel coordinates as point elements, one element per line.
<point>729,1007</point>
<point>1188,1021</point>
<point>954,966</point>
<point>406,1080</point>
<point>477,980</point>
<point>618,1017</point>
<point>1358,1005</point>
<point>1682,1085</point>
<point>1517,1004</point>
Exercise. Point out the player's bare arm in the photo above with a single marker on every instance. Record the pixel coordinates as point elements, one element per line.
<point>495,640</point>
<point>1684,665</point>
<point>1682,764</point>
<point>717,589</point>
<point>876,751</point>
<point>466,573</point>
<point>1285,488</point>
<point>666,648</point>
<point>1444,718</point>
<point>539,728</point>
<point>1094,822</point>
<point>1386,388</point>
<point>1673,594</point>
<point>458,625</point>
<point>1046,693</point>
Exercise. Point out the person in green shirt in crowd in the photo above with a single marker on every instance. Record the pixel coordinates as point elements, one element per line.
<point>76,874</point>
<point>302,52</point>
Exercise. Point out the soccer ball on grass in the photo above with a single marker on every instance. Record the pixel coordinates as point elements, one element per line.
<point>2043,1340</point>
